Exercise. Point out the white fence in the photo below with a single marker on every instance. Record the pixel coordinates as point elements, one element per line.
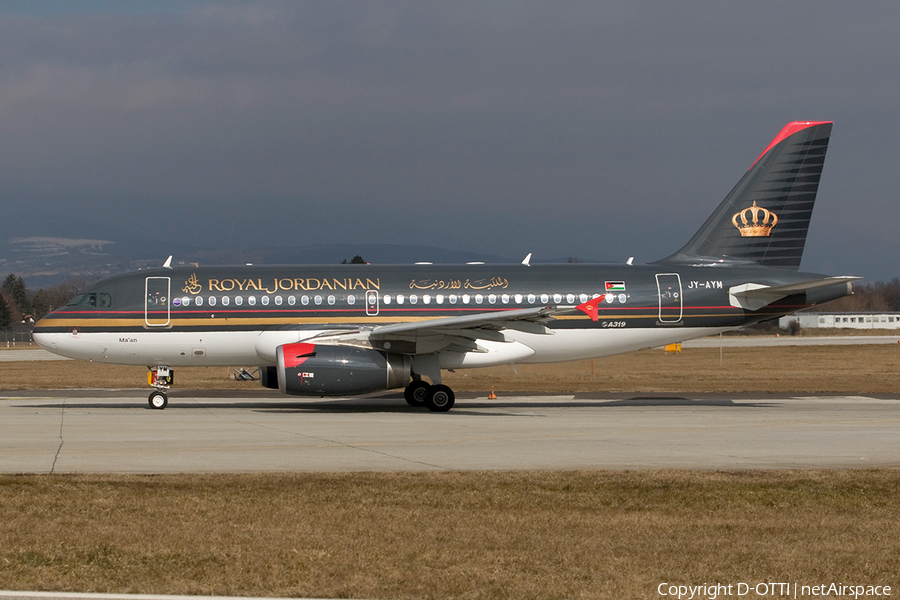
<point>843,320</point>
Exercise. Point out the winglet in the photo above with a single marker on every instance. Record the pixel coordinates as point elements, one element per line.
<point>590,307</point>
<point>168,263</point>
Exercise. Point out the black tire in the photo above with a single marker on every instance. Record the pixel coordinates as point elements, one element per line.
<point>417,392</point>
<point>440,398</point>
<point>158,400</point>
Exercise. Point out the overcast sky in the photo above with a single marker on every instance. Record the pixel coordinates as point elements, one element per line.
<point>598,130</point>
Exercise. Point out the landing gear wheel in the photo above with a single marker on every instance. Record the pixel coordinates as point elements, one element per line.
<point>416,392</point>
<point>158,400</point>
<point>440,398</point>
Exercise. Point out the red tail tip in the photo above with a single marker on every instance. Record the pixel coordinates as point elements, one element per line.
<point>787,131</point>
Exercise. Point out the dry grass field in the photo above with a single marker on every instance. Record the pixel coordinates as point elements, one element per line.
<point>791,369</point>
<point>468,535</point>
<point>447,535</point>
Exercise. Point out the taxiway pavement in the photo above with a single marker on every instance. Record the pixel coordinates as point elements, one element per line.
<point>114,431</point>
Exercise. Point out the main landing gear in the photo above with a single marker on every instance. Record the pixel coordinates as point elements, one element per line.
<point>436,398</point>
<point>161,378</point>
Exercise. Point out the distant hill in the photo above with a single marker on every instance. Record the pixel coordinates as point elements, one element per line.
<point>49,261</point>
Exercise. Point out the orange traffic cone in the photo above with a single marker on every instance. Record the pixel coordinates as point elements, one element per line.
<point>492,395</point>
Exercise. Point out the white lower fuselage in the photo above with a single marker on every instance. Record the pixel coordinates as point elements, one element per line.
<point>245,348</point>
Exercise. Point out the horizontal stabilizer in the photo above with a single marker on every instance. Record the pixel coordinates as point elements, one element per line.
<point>753,296</point>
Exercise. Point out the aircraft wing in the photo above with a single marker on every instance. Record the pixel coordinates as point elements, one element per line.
<point>525,319</point>
<point>458,334</point>
<point>753,296</point>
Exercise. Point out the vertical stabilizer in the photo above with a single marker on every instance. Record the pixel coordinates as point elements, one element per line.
<point>764,219</point>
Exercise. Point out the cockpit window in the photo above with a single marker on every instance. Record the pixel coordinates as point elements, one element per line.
<point>91,300</point>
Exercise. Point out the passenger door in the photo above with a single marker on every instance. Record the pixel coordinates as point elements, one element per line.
<point>670,301</point>
<point>157,304</point>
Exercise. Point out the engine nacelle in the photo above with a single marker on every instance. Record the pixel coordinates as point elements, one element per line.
<point>316,370</point>
<point>268,377</point>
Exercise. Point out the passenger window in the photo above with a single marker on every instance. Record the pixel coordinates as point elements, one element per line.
<point>317,300</point>
<point>465,298</point>
<point>478,298</point>
<point>386,298</point>
<point>238,300</point>
<point>251,300</point>
<point>212,300</point>
<point>531,298</point>
<point>225,300</point>
<point>264,300</point>
<point>452,298</point>
<point>292,300</point>
<point>304,300</point>
<point>545,298</point>
<point>351,300</point>
<point>331,300</point>
<point>278,300</point>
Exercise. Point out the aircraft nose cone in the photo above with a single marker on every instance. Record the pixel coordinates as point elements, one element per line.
<point>44,340</point>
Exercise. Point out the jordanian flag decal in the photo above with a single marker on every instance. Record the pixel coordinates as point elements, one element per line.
<point>615,286</point>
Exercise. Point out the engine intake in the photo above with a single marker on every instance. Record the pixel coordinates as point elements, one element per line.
<point>316,370</point>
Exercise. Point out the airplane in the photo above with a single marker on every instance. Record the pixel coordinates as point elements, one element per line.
<point>358,329</point>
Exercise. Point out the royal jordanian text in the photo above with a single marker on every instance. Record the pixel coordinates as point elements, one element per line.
<point>305,284</point>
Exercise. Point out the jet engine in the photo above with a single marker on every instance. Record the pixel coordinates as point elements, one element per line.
<point>316,370</point>
<point>268,376</point>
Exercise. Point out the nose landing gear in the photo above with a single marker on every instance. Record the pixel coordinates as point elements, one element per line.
<point>160,378</point>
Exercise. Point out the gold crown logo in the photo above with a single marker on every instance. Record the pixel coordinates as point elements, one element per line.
<point>756,227</point>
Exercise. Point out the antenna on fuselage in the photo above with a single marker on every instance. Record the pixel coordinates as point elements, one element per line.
<point>168,263</point>
<point>630,261</point>
<point>527,261</point>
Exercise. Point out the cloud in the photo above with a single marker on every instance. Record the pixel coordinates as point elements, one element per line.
<point>583,129</point>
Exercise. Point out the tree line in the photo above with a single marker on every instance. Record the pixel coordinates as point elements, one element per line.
<point>879,296</point>
<point>19,306</point>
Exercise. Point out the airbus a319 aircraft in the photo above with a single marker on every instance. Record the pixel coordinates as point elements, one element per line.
<point>358,329</point>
